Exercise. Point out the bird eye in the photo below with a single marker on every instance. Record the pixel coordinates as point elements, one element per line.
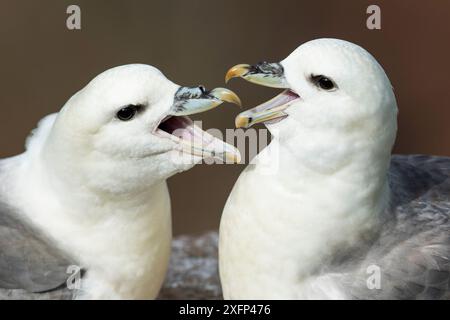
<point>323,82</point>
<point>128,112</point>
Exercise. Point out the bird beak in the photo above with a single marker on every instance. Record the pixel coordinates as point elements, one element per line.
<point>191,100</point>
<point>191,139</point>
<point>271,111</point>
<point>269,75</point>
<point>263,73</point>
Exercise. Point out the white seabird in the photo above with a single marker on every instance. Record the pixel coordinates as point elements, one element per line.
<point>90,191</point>
<point>337,217</point>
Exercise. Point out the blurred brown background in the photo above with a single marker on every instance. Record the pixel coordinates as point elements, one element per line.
<point>194,42</point>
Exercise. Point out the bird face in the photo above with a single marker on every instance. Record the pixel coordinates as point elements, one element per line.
<point>130,123</point>
<point>332,88</point>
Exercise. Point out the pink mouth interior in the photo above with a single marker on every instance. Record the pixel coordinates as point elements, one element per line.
<point>183,128</point>
<point>280,100</point>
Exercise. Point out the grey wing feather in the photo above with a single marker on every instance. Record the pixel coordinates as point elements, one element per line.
<point>29,263</point>
<point>413,249</point>
<point>61,293</point>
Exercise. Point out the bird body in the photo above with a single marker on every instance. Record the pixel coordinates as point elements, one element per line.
<point>333,205</point>
<point>85,210</point>
<point>260,230</point>
<point>88,230</point>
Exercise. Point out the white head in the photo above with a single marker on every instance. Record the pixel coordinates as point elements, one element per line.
<point>338,104</point>
<point>128,129</point>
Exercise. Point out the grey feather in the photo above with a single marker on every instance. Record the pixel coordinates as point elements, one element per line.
<point>61,293</point>
<point>412,248</point>
<point>30,265</point>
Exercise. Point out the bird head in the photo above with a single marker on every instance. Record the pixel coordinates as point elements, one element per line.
<point>337,102</point>
<point>129,127</point>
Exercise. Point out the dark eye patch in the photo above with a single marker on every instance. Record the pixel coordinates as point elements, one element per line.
<point>323,82</point>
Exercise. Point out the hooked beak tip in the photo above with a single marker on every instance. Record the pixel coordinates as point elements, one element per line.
<point>241,122</point>
<point>234,157</point>
<point>227,96</point>
<point>236,71</point>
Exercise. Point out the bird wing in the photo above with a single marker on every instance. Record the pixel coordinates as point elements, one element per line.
<point>413,250</point>
<point>29,262</point>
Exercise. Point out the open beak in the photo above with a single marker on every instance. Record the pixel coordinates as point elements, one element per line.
<point>269,75</point>
<point>190,138</point>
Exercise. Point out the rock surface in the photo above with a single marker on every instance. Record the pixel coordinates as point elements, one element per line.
<point>193,271</point>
